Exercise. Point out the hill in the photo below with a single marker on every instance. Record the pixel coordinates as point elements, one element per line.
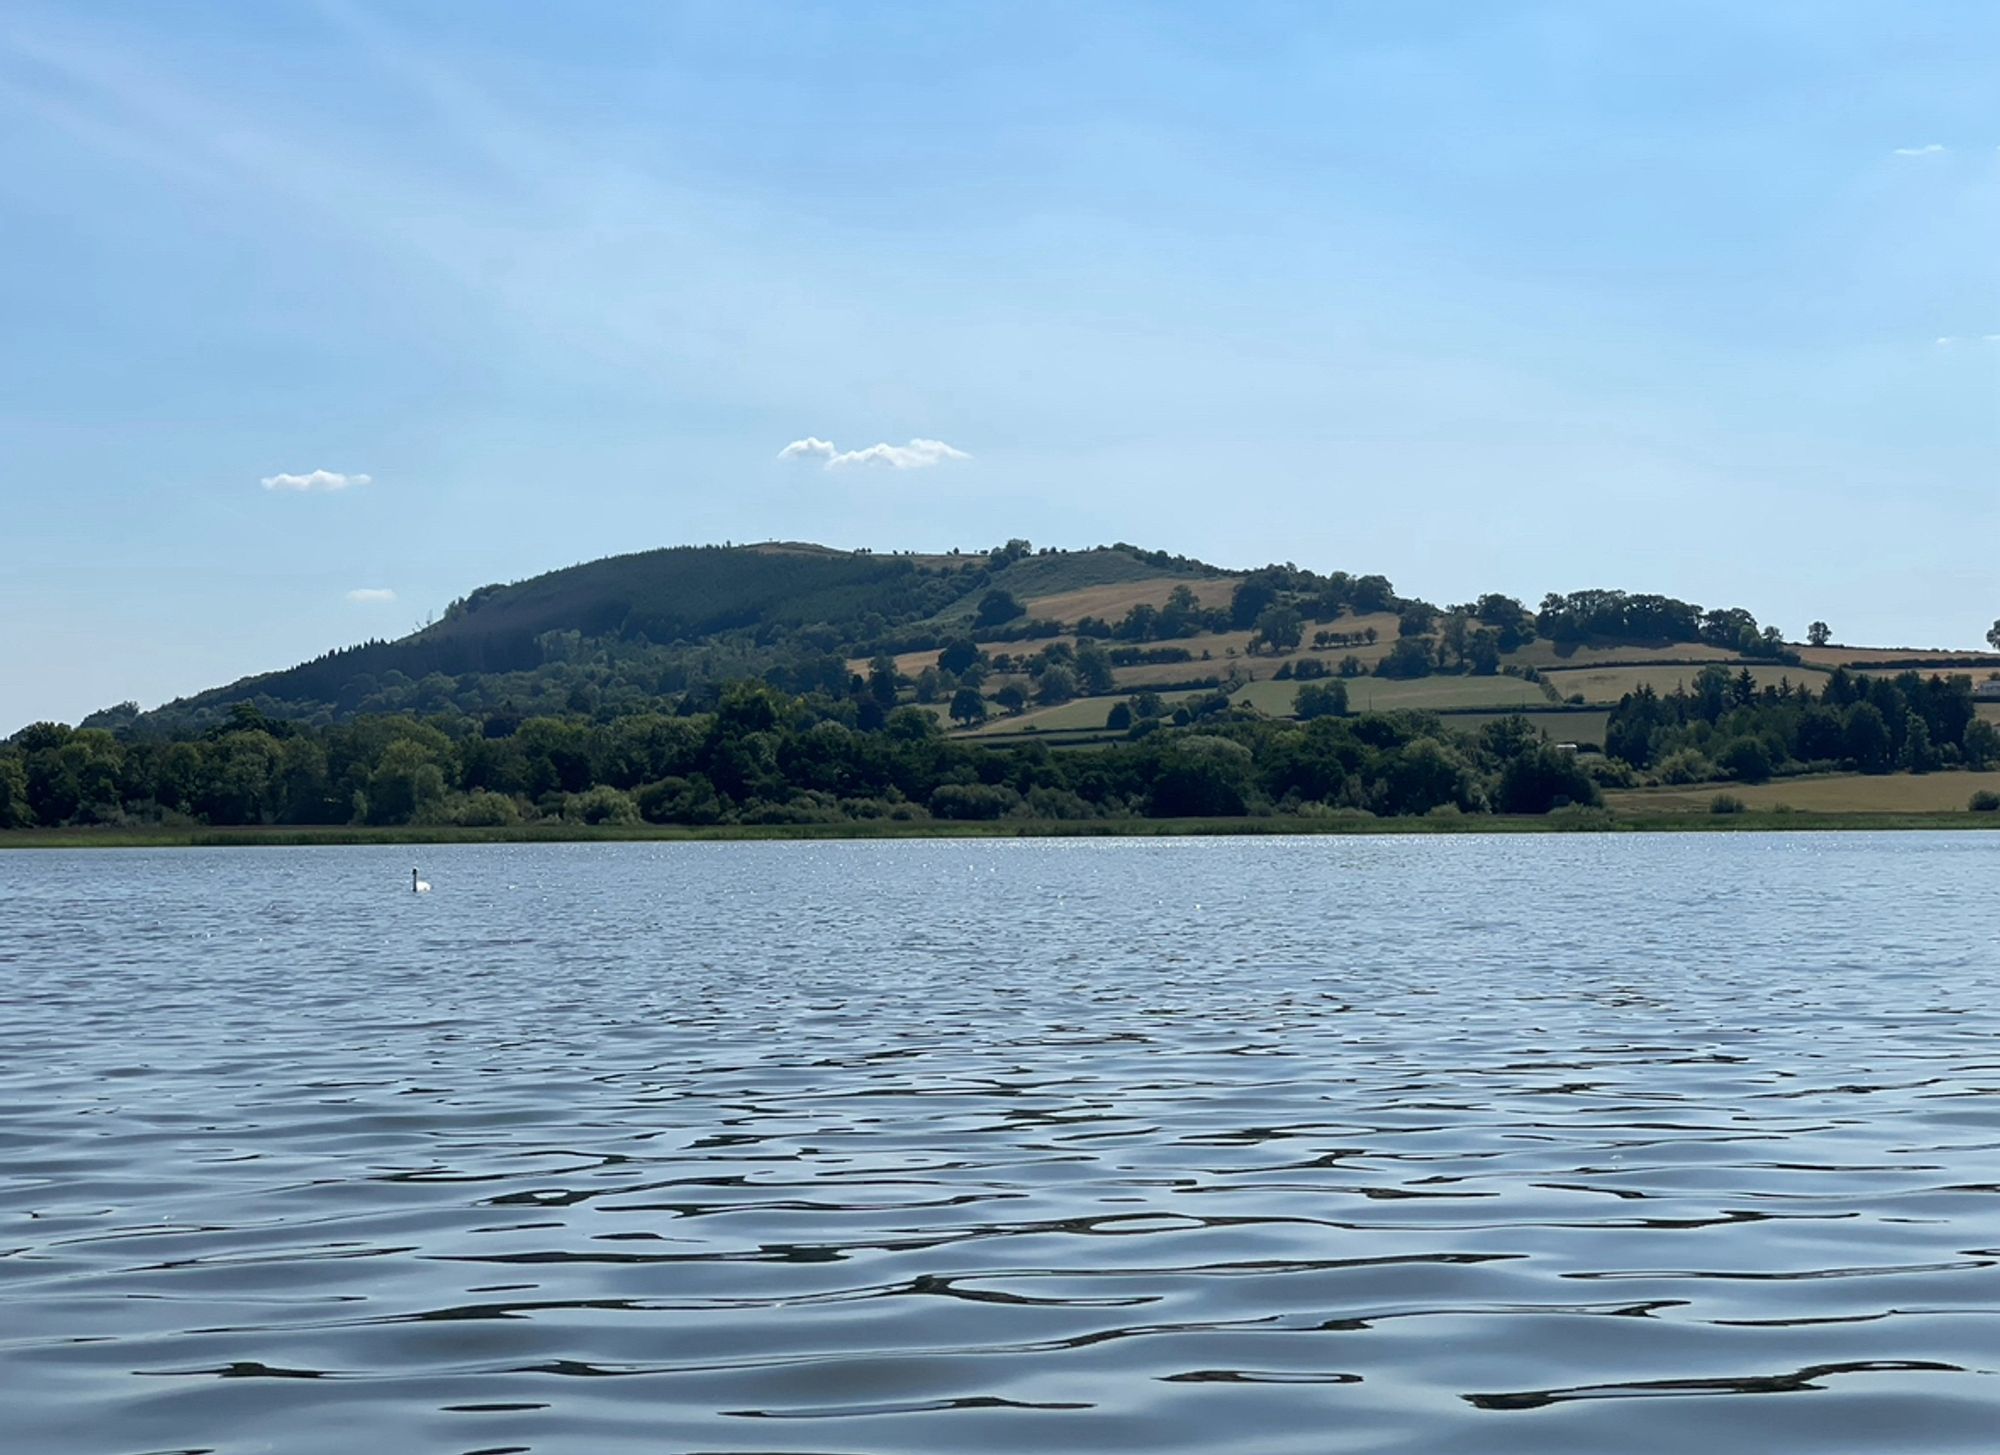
<point>791,684</point>
<point>1048,640</point>
<point>669,620</point>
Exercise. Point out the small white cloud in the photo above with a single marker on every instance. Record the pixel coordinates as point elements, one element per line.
<point>370,595</point>
<point>1929,149</point>
<point>918,454</point>
<point>1946,340</point>
<point>321,480</point>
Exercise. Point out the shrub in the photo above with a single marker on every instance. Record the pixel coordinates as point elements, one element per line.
<point>1581,816</point>
<point>601,805</point>
<point>487,810</point>
<point>1746,758</point>
<point>1725,803</point>
<point>806,806</point>
<point>1985,801</point>
<point>1686,766</point>
<point>1610,772</point>
<point>966,801</point>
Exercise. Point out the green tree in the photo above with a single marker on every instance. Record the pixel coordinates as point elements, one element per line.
<point>1254,593</point>
<point>1181,616</point>
<point>1819,634</point>
<point>1320,699</point>
<point>1454,637</point>
<point>1058,684</point>
<point>1865,735</point>
<point>1011,698</point>
<point>14,810</point>
<point>996,608</point>
<point>1541,778</point>
<point>1918,755</point>
<point>967,706</point>
<point>1745,758</point>
<point>1482,653</point>
<point>601,805</point>
<point>1427,774</point>
<point>884,681</point>
<point>1201,776</point>
<point>405,782</point>
<point>1981,744</point>
<point>1408,657</point>
<point>1993,636</point>
<point>959,653</point>
<point>1093,670</point>
<point>1279,628</point>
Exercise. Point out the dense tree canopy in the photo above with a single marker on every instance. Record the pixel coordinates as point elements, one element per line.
<point>758,755</point>
<point>1728,726</point>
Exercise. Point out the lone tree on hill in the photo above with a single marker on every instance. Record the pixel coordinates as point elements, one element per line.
<point>1993,636</point>
<point>1819,633</point>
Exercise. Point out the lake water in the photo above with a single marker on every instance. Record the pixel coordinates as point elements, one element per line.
<point>1482,1144</point>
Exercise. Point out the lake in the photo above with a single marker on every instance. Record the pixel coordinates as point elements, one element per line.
<point>1431,1144</point>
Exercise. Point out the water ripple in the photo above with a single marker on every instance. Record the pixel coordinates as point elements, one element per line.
<point>1406,1145</point>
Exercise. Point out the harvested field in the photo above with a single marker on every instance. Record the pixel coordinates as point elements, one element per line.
<point>1112,602</point>
<point>1082,713</point>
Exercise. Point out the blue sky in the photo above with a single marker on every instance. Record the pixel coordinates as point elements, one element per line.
<point>1510,297</point>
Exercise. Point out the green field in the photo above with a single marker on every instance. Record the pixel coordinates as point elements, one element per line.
<point>1573,726</point>
<point>1900,793</point>
<point>1084,712</point>
<point>1389,694</point>
<point>1608,684</point>
<point>1544,653</point>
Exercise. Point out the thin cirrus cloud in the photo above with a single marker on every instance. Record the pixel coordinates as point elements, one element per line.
<point>1953,340</point>
<point>370,595</point>
<point>316,481</point>
<point>918,454</point>
<point>1929,149</point>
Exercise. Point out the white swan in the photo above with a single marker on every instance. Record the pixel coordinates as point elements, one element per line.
<point>419,886</point>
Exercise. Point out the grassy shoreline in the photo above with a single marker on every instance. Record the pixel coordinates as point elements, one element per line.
<point>1611,822</point>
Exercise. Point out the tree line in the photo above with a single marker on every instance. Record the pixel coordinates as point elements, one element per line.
<point>1727,726</point>
<point>761,756</point>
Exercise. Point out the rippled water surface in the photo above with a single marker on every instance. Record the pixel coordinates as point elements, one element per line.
<point>1433,1144</point>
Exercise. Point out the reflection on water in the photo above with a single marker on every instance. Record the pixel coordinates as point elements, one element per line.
<point>1463,1144</point>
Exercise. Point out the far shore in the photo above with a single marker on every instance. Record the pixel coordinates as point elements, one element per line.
<point>1752,821</point>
